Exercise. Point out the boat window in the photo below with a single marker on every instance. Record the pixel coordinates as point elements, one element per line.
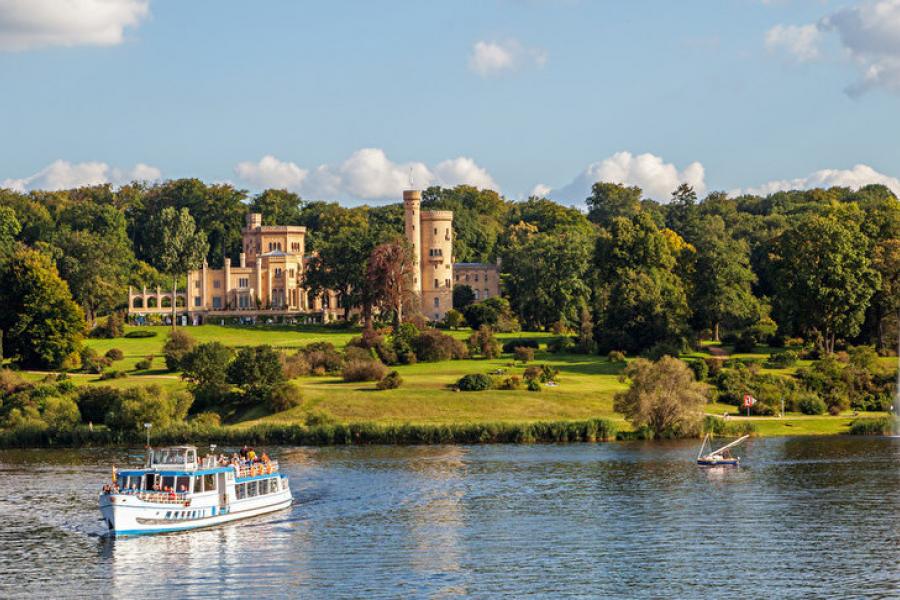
<point>184,484</point>
<point>209,483</point>
<point>274,485</point>
<point>122,481</point>
<point>168,481</point>
<point>168,514</point>
<point>150,481</point>
<point>198,485</point>
<point>251,488</point>
<point>134,482</point>
<point>240,491</point>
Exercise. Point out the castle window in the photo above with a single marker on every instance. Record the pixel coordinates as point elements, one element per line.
<point>476,294</point>
<point>197,301</point>
<point>217,284</point>
<point>487,293</point>
<point>277,272</point>
<point>244,282</point>
<point>476,276</point>
<point>291,273</point>
<point>485,277</point>
<point>437,302</point>
<point>447,282</point>
<point>437,283</point>
<point>197,285</point>
<point>467,276</point>
<point>217,302</point>
<point>435,231</point>
<point>457,276</point>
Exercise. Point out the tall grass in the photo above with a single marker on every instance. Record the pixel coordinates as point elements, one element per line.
<point>873,426</point>
<point>593,430</point>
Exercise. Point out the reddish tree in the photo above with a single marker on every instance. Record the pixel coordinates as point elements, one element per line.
<point>389,279</point>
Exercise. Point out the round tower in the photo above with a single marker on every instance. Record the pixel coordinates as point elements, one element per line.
<point>412,200</point>
<point>437,263</point>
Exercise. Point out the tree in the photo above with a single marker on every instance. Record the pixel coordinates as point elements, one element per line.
<point>478,219</point>
<point>463,296</point>
<point>544,275</point>
<point>178,345</point>
<point>663,396</point>
<point>41,324</point>
<point>9,230</point>
<point>340,265</point>
<point>389,277</point>
<point>586,343</point>
<point>182,247</point>
<point>484,343</point>
<point>454,319</point>
<point>723,280</point>
<point>278,207</point>
<point>823,277</point>
<point>257,371</point>
<point>609,200</point>
<point>639,300</point>
<point>206,367</point>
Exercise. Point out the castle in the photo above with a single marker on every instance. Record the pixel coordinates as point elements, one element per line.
<point>268,282</point>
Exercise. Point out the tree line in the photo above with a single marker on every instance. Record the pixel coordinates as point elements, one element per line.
<point>623,271</point>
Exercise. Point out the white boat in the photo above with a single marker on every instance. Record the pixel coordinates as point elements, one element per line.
<point>176,492</point>
<point>721,457</point>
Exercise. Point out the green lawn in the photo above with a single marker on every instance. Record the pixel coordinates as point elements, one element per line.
<point>586,387</point>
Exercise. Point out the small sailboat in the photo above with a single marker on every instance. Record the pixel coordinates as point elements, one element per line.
<point>721,457</point>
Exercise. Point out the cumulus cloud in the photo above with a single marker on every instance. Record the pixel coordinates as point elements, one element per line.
<point>27,24</point>
<point>651,173</point>
<point>489,59</point>
<point>856,177</point>
<point>367,174</point>
<point>62,175</point>
<point>801,42</point>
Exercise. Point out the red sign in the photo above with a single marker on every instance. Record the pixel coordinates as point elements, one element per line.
<point>749,400</point>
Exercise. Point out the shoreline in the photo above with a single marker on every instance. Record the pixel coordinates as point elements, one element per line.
<point>361,433</point>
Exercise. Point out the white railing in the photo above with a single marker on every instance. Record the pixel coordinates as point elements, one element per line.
<point>256,469</point>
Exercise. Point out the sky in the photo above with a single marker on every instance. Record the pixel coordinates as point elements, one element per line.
<point>353,101</point>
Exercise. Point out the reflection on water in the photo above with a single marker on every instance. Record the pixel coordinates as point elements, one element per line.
<point>811,517</point>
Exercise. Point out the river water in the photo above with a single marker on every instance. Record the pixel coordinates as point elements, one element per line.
<point>804,517</point>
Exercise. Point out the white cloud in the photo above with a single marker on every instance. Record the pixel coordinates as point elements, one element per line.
<point>367,174</point>
<point>493,58</point>
<point>656,177</point>
<point>541,190</point>
<point>27,24</point>
<point>801,42</point>
<point>62,175</point>
<point>870,33</point>
<point>856,177</point>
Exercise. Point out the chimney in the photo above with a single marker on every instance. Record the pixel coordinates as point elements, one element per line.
<point>243,258</point>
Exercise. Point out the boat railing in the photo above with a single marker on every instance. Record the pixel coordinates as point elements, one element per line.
<point>157,497</point>
<point>256,469</point>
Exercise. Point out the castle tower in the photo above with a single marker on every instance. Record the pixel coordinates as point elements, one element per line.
<point>437,263</point>
<point>412,200</point>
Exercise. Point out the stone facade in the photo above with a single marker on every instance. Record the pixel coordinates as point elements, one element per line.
<point>268,280</point>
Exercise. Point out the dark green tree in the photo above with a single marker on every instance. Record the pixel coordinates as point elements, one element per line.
<point>206,367</point>
<point>278,207</point>
<point>257,371</point>
<point>610,200</point>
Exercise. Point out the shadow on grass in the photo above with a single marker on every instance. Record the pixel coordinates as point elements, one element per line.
<point>584,364</point>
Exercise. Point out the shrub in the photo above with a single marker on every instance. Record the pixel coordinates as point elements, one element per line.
<point>484,343</point>
<point>91,362</point>
<point>511,345</point>
<point>323,358</point>
<point>454,319</point>
<point>390,381</point>
<point>114,354</point>
<point>432,345</point>
<point>513,382</point>
<point>477,382</point>
<point>531,373</point>
<point>714,365</point>
<point>178,344</point>
<point>206,420</point>
<point>354,353</point>
<point>140,333</point>
<point>294,365</point>
<point>811,404</point>
<point>95,402</point>
<point>112,374</point>
<point>664,348</point>
<point>524,354</point>
<point>256,370</point>
<point>149,404</point>
<point>616,356</point>
<point>60,413</point>
<point>781,360</point>
<point>363,370</point>
<point>284,396</point>
<point>144,364</point>
<point>561,345</point>
<point>548,373</point>
<point>373,341</point>
<point>112,327</point>
<point>870,426</point>
<point>746,342</point>
<point>700,369</point>
<point>533,385</point>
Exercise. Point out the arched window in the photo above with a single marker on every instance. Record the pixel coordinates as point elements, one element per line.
<point>138,303</point>
<point>166,302</point>
<point>151,302</point>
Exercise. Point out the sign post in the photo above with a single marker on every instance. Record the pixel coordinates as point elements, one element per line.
<point>748,402</point>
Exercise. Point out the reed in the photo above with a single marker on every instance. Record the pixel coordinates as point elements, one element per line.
<point>873,426</point>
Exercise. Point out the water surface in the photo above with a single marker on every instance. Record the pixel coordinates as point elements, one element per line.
<point>804,517</point>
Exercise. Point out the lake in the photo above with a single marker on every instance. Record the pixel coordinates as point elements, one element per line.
<point>804,517</point>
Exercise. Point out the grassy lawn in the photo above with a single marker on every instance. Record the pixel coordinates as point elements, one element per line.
<point>586,387</point>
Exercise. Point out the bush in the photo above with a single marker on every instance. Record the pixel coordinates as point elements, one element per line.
<point>664,348</point>
<point>533,385</point>
<point>150,404</point>
<point>206,420</point>
<point>114,354</point>
<point>112,327</point>
<point>257,371</point>
<point>714,365</point>
<point>144,364</point>
<point>178,344</point>
<point>616,356</point>
<point>112,374</point>
<point>746,342</point>
<point>294,365</point>
<point>533,372</point>
<point>432,345</point>
<point>390,381</point>
<point>811,404</point>
<point>363,370</point>
<point>91,362</point>
<point>322,358</point>
<point>870,426</point>
<point>140,333</point>
<point>524,354</point>
<point>511,345</point>
<point>700,369</point>
<point>513,382</point>
<point>375,342</point>
<point>285,396</point>
<point>477,382</point>
<point>95,402</point>
<point>561,345</point>
<point>781,360</point>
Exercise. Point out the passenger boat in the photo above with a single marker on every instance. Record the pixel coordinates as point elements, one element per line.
<point>721,457</point>
<point>176,492</point>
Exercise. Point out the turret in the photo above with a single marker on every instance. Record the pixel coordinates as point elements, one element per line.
<point>412,200</point>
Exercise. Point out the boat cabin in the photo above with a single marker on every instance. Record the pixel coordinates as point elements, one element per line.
<point>178,457</point>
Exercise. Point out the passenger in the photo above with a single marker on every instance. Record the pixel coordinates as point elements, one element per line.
<point>244,452</point>
<point>265,458</point>
<point>251,455</point>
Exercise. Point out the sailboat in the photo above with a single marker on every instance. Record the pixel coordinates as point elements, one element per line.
<point>721,457</point>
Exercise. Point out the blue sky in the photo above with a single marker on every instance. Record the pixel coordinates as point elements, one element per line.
<point>340,100</point>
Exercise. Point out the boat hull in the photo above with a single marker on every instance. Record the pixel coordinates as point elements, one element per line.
<point>147,518</point>
<point>718,463</point>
